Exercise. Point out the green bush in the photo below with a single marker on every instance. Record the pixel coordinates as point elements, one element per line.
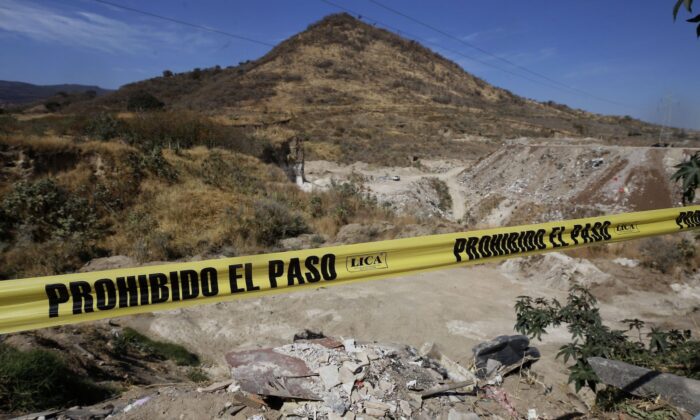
<point>132,339</point>
<point>667,351</point>
<point>39,379</point>
<point>172,130</point>
<point>143,101</point>
<point>44,210</point>
<point>104,126</point>
<point>274,221</point>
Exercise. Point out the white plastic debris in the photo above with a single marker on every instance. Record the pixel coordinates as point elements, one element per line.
<point>136,403</point>
<point>531,414</point>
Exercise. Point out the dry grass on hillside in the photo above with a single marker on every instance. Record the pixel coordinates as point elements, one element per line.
<point>65,200</point>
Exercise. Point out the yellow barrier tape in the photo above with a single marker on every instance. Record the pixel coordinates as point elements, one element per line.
<point>27,304</point>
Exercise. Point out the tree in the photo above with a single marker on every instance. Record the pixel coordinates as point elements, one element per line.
<point>167,73</point>
<point>689,6</point>
<point>143,101</point>
<point>689,173</point>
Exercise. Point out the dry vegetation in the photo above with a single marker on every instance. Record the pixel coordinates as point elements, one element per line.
<point>362,93</point>
<point>166,185</point>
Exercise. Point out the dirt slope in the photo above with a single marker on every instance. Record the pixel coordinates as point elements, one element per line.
<point>373,96</point>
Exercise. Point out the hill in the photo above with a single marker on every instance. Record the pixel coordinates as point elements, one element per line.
<point>16,93</point>
<point>362,93</point>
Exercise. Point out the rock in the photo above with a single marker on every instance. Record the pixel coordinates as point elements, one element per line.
<point>405,408</point>
<point>362,357</point>
<point>349,345</point>
<point>386,387</point>
<point>216,386</point>
<point>304,241</point>
<point>108,263</point>
<point>355,232</point>
<point>329,376</point>
<point>679,391</point>
<point>458,415</point>
<point>336,404</point>
<point>492,366</point>
<point>375,412</point>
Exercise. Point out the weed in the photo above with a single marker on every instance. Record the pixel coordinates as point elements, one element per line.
<point>197,375</point>
<point>39,379</point>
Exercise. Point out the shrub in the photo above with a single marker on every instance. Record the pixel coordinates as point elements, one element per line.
<point>52,106</point>
<point>104,126</point>
<point>665,257</point>
<point>668,351</point>
<point>173,130</point>
<point>273,221</point>
<point>8,123</point>
<point>167,73</point>
<point>44,211</point>
<point>143,101</point>
<point>349,199</point>
<point>443,193</point>
<point>39,379</point>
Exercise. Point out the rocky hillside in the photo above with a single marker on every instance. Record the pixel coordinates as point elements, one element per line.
<point>363,93</point>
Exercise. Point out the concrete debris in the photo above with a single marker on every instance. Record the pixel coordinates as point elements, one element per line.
<point>270,373</point>
<point>679,391</point>
<point>216,386</point>
<point>626,262</point>
<point>353,380</point>
<point>507,350</point>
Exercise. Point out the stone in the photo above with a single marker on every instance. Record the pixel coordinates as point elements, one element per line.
<point>329,376</point>
<point>336,404</point>
<point>375,412</point>
<point>349,345</point>
<point>346,375</point>
<point>362,357</point>
<point>492,366</point>
<point>679,391</point>
<point>458,415</point>
<point>405,408</point>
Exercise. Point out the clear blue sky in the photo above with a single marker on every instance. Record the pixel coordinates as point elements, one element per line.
<point>629,52</point>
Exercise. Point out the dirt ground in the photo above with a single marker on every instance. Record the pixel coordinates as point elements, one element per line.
<point>456,309</point>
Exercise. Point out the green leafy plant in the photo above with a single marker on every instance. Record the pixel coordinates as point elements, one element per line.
<point>689,7</point>
<point>667,351</point>
<point>44,210</point>
<point>689,174</point>
<point>104,126</point>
